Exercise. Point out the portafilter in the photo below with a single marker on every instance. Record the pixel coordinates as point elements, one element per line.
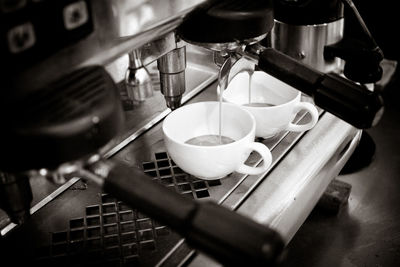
<point>234,28</point>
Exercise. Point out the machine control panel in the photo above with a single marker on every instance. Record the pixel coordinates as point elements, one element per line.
<point>34,29</point>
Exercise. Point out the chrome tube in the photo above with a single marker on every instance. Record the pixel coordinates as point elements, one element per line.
<point>306,43</point>
<point>172,76</point>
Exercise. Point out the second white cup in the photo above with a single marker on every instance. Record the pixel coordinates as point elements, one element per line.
<point>273,103</point>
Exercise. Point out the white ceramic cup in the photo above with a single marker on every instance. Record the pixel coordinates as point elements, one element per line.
<point>213,162</point>
<point>266,89</point>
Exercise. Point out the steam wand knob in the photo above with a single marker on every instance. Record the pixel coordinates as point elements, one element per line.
<point>137,79</point>
<point>15,196</point>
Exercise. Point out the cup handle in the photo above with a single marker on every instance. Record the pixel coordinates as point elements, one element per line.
<point>266,156</point>
<point>310,108</point>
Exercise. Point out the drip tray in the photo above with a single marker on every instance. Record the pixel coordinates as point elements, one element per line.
<point>112,232</point>
<point>84,226</point>
<point>109,233</point>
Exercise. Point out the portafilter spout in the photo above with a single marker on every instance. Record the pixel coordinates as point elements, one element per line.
<point>233,25</point>
<point>73,119</point>
<point>172,76</point>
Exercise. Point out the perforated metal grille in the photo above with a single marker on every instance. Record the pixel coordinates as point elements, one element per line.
<point>114,234</point>
<point>110,232</point>
<point>165,171</point>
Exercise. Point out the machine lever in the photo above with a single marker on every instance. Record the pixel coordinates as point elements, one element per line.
<point>358,49</point>
<point>333,93</point>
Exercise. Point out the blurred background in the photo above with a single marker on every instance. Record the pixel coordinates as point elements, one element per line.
<point>365,232</point>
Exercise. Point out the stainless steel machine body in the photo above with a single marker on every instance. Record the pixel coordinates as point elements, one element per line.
<point>307,43</point>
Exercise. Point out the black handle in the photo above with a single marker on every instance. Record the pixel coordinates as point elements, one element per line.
<point>225,235</point>
<point>358,49</point>
<point>337,95</point>
<point>361,64</point>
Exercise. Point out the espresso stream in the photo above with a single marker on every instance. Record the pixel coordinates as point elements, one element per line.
<point>249,104</point>
<point>215,140</point>
<point>250,72</point>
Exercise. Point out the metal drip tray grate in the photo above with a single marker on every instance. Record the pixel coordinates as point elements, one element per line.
<point>165,171</point>
<point>116,234</point>
<point>110,232</point>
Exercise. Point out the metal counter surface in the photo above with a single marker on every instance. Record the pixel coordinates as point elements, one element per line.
<point>285,198</point>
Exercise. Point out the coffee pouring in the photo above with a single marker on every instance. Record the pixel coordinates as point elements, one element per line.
<point>273,103</point>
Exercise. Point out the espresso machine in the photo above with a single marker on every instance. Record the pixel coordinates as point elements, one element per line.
<point>89,179</point>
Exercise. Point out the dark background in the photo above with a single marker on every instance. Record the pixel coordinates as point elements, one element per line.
<point>365,232</point>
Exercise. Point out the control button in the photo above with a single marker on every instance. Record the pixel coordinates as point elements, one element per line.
<point>11,5</point>
<point>21,37</point>
<point>75,15</point>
